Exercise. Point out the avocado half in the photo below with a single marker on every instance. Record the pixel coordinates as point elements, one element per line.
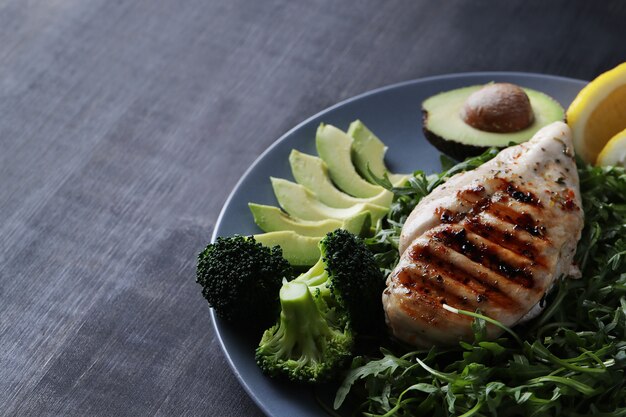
<point>446,130</point>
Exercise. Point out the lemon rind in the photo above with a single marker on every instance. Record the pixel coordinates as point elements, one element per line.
<point>579,111</point>
<point>614,152</point>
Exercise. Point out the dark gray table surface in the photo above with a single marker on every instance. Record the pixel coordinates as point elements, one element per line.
<point>125,124</point>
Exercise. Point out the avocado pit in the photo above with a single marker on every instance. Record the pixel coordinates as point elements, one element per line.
<point>499,108</point>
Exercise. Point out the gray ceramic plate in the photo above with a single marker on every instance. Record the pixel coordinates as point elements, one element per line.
<point>393,113</point>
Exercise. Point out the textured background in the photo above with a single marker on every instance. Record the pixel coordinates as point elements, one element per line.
<point>125,124</point>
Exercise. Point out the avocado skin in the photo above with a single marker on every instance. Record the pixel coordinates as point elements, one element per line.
<point>455,150</point>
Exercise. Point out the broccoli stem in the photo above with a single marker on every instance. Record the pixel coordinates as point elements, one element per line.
<point>301,323</point>
<point>317,280</point>
<point>315,276</point>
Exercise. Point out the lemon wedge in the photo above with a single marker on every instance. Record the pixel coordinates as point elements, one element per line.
<point>614,153</point>
<point>598,113</point>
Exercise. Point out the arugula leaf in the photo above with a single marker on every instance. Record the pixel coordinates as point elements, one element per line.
<point>388,364</point>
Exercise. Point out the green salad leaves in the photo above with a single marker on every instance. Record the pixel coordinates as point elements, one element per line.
<point>570,361</point>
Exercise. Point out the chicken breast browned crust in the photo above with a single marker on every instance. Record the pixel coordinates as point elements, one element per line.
<point>495,239</point>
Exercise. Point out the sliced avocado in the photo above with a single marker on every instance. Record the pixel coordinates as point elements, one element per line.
<point>302,251</point>
<point>298,250</point>
<point>444,127</point>
<point>301,203</point>
<point>312,172</point>
<point>272,219</point>
<point>369,151</point>
<point>359,225</point>
<point>335,147</point>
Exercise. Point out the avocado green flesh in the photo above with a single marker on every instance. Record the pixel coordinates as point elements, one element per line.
<point>330,194</point>
<point>298,250</point>
<point>303,250</point>
<point>369,152</point>
<point>360,224</point>
<point>273,219</point>
<point>335,148</point>
<point>301,203</point>
<point>442,119</point>
<point>311,172</point>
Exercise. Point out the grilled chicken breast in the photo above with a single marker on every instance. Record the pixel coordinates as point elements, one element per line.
<point>495,239</point>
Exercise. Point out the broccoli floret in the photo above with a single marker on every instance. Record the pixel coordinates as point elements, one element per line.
<point>322,312</point>
<point>241,280</point>
<point>303,345</point>
<point>354,279</point>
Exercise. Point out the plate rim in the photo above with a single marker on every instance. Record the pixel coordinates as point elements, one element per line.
<point>287,134</point>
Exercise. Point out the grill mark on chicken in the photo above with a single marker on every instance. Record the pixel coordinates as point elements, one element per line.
<point>491,279</point>
<point>497,204</point>
<point>448,216</point>
<point>472,194</point>
<point>447,280</point>
<point>489,246</point>
<point>469,288</point>
<point>520,220</point>
<point>421,286</point>
<point>438,260</point>
<point>435,260</point>
<point>519,194</point>
<point>489,256</point>
<point>510,239</point>
<point>518,260</point>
